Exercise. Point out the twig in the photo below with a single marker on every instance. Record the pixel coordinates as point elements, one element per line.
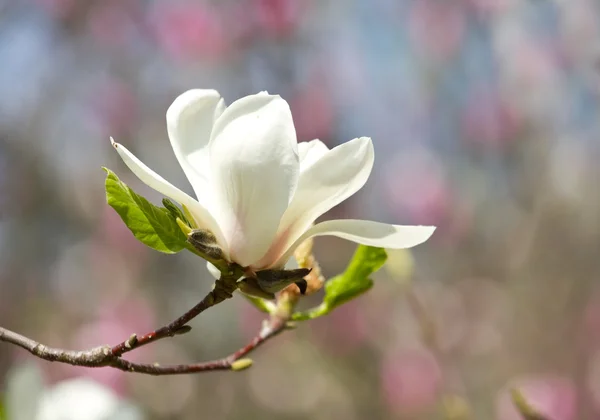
<point>223,289</point>
<point>107,356</point>
<point>272,328</point>
<point>102,356</point>
<point>96,357</point>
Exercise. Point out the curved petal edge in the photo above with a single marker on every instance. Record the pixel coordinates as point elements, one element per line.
<point>366,232</point>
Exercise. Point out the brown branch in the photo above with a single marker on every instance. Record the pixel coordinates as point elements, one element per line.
<point>223,290</point>
<point>96,357</point>
<point>107,356</point>
<point>272,328</point>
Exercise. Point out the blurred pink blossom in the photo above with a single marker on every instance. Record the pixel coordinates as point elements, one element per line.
<point>59,9</point>
<point>491,7</point>
<point>553,397</point>
<point>110,22</point>
<point>114,324</point>
<point>488,121</point>
<point>437,27</point>
<point>115,106</point>
<point>343,330</point>
<point>419,192</point>
<point>593,381</point>
<point>591,321</point>
<point>535,63</point>
<point>278,17</point>
<point>313,113</point>
<point>411,381</point>
<point>416,186</point>
<point>188,31</point>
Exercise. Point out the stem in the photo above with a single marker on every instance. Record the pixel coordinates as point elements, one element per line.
<point>223,289</point>
<point>111,356</point>
<point>271,329</point>
<point>96,357</point>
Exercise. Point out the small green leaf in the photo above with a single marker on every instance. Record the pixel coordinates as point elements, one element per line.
<point>355,280</point>
<point>154,226</point>
<point>340,289</point>
<point>2,413</point>
<point>350,284</point>
<point>175,211</point>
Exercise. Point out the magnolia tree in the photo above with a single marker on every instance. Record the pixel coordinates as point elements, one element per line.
<point>258,194</point>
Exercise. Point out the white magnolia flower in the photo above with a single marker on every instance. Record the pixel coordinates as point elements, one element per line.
<point>257,189</point>
<point>84,399</point>
<point>27,398</point>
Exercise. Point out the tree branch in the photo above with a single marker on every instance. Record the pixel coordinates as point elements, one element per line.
<point>107,356</point>
<point>96,357</point>
<point>272,327</point>
<point>223,290</point>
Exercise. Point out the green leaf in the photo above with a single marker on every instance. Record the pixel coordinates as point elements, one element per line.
<point>2,413</point>
<point>154,226</point>
<point>353,282</point>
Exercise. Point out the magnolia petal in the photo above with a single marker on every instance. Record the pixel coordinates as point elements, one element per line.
<point>310,152</point>
<point>190,120</point>
<point>254,163</point>
<point>158,183</point>
<point>366,232</point>
<point>327,181</point>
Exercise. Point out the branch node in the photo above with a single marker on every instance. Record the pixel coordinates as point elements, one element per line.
<point>39,350</point>
<point>131,341</point>
<point>184,329</point>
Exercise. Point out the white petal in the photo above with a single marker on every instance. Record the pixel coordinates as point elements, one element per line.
<point>254,161</point>
<point>366,232</point>
<point>328,181</point>
<point>158,183</point>
<point>310,152</point>
<point>190,119</point>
